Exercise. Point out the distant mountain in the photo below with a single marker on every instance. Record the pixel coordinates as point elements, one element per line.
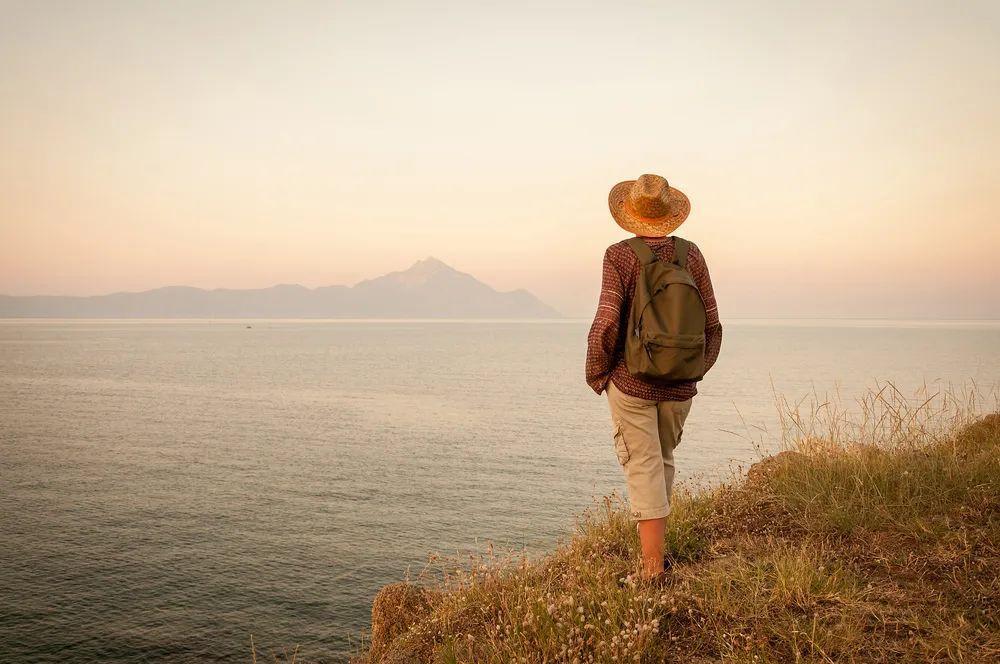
<point>429,289</point>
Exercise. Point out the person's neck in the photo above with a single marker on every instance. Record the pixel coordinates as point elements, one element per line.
<point>652,237</point>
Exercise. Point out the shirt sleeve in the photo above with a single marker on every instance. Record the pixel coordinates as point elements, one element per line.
<point>603,338</point>
<point>713,327</point>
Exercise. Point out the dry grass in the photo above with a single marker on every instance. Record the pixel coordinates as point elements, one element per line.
<point>875,538</point>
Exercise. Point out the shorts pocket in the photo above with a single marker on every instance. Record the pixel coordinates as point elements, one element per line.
<point>621,447</point>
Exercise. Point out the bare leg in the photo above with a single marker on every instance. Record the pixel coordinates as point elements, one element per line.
<point>651,538</point>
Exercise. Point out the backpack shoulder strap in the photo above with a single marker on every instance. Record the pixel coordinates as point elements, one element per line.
<point>681,247</point>
<point>642,250</point>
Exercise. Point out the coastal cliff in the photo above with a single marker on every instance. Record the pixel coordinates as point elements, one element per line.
<point>878,542</point>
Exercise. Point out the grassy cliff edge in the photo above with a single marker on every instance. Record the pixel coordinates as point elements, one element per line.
<point>875,537</point>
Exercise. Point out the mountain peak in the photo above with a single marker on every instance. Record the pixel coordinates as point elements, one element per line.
<point>424,271</point>
<point>430,265</point>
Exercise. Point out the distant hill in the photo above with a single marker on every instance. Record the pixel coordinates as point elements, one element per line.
<point>429,289</point>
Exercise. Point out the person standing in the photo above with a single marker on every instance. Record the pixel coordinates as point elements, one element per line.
<point>654,336</point>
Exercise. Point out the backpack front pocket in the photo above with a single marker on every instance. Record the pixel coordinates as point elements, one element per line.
<point>674,357</point>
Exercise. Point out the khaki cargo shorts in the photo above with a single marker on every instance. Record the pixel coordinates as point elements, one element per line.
<point>646,433</point>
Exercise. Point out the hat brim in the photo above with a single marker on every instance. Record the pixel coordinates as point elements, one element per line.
<point>680,208</point>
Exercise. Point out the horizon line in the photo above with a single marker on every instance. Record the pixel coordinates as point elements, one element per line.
<point>565,319</point>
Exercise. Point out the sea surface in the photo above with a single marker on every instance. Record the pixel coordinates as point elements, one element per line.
<point>170,488</point>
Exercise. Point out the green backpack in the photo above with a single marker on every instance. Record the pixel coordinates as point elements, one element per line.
<point>666,338</point>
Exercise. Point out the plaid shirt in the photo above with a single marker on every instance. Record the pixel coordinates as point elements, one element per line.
<point>606,341</point>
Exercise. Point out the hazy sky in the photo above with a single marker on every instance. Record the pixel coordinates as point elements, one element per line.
<point>841,158</point>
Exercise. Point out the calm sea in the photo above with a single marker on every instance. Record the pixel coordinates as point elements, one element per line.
<point>171,487</point>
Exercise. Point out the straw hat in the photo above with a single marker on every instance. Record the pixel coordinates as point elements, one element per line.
<point>648,206</point>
